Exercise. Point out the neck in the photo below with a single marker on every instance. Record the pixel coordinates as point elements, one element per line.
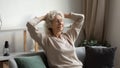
<point>57,34</point>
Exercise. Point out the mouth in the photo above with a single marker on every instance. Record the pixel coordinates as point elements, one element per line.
<point>60,27</point>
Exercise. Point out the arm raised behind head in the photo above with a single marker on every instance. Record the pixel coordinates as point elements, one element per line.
<point>36,20</point>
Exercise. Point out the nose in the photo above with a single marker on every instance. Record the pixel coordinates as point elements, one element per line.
<point>60,22</point>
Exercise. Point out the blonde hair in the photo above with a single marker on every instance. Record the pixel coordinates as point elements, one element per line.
<point>49,19</point>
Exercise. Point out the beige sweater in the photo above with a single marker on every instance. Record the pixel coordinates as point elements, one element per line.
<point>60,52</point>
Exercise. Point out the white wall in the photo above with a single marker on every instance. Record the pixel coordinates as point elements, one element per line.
<point>15,13</point>
<point>113,28</point>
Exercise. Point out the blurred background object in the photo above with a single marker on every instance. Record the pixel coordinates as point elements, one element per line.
<point>0,22</point>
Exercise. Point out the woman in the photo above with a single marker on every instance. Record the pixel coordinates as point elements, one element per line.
<point>58,46</point>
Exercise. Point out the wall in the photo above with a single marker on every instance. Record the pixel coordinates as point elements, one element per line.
<point>113,28</point>
<point>15,13</point>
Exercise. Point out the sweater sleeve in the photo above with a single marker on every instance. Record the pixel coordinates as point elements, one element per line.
<point>34,33</point>
<point>75,28</point>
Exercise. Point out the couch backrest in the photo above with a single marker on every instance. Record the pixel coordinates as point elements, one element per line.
<point>79,50</point>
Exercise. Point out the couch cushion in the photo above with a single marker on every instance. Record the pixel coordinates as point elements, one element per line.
<point>99,57</point>
<point>30,62</point>
<point>80,53</point>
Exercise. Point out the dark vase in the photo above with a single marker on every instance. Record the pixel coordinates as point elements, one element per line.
<point>6,49</point>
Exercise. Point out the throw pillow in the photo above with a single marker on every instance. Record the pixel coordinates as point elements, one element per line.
<point>30,62</point>
<point>99,57</point>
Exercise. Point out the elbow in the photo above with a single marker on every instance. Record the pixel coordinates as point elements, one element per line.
<point>30,27</point>
<point>27,24</point>
<point>82,18</point>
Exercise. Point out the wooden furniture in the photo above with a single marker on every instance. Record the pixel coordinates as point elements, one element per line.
<point>4,61</point>
<point>18,29</point>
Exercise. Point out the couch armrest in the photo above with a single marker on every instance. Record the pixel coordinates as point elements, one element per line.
<point>12,63</point>
<point>80,51</point>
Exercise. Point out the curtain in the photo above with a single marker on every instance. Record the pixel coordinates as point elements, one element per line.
<point>95,14</point>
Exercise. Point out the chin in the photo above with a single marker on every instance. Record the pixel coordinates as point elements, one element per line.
<point>60,30</point>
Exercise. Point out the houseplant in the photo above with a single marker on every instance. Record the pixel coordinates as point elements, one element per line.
<point>94,43</point>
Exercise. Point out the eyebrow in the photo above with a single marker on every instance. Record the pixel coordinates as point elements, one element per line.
<point>59,20</point>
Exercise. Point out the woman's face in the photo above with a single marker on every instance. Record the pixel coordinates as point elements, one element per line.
<point>57,24</point>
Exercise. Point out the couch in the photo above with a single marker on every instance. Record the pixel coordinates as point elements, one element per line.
<point>81,53</point>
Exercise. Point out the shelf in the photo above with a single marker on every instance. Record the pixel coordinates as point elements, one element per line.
<point>4,29</point>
